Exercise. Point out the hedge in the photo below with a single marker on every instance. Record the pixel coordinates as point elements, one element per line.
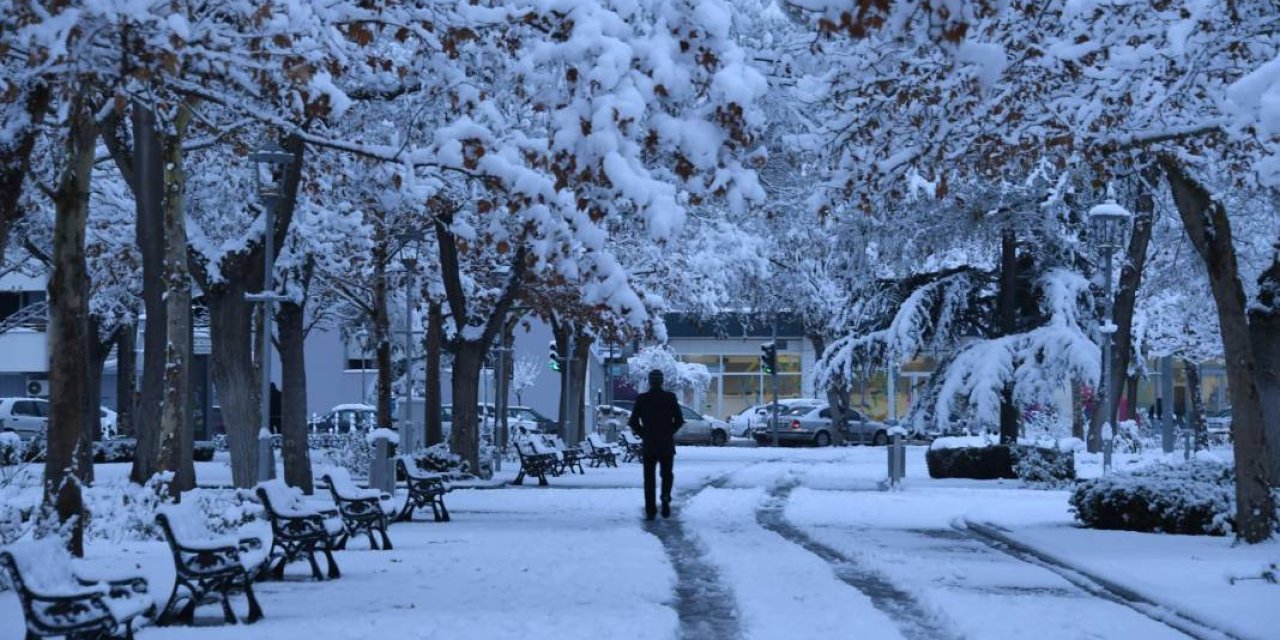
<point>998,461</point>
<point>1195,498</point>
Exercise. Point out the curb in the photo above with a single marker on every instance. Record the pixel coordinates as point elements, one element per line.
<point>1185,621</point>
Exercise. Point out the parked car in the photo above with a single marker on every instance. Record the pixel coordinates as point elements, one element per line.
<point>700,429</point>
<point>810,423</point>
<point>1218,425</point>
<point>742,424</point>
<point>518,419</point>
<point>345,418</point>
<point>28,417</point>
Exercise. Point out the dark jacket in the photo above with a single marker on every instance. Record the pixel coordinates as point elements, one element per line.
<point>656,417</point>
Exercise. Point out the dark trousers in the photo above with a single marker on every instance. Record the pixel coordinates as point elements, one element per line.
<point>650,464</point>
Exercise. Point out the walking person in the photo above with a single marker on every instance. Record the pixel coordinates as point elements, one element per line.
<point>655,418</point>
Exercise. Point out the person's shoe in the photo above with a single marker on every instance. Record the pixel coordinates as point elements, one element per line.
<point>650,515</point>
<point>666,509</point>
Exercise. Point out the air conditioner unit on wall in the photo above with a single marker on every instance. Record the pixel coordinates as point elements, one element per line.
<point>38,387</point>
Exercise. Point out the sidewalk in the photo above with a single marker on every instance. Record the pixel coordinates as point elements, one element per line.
<point>1184,575</point>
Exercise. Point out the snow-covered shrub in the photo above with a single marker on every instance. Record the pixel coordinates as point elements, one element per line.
<point>1195,498</point>
<point>225,511</point>
<point>351,452</point>
<point>120,510</point>
<point>202,450</point>
<point>439,459</point>
<point>1045,467</point>
<point>11,449</point>
<point>984,458</point>
<point>118,450</point>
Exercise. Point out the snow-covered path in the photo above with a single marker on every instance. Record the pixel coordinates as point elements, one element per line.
<point>763,544</point>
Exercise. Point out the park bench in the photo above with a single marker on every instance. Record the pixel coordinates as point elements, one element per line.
<point>56,602</point>
<point>209,567</point>
<point>632,446</point>
<point>568,458</point>
<point>361,510</point>
<point>533,463</point>
<point>425,488</point>
<point>599,451</point>
<point>298,531</point>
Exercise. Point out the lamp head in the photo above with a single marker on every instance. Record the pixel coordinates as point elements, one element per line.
<point>1109,225</point>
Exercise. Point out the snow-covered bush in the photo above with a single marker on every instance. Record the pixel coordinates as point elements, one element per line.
<point>1195,498</point>
<point>118,450</point>
<point>11,449</point>
<point>984,458</point>
<point>351,452</point>
<point>439,459</point>
<point>120,510</point>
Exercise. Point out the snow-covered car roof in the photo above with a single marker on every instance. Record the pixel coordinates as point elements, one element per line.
<point>353,407</point>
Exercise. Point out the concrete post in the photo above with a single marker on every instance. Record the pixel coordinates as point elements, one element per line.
<point>381,476</point>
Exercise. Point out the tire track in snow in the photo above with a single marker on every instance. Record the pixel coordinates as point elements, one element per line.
<point>914,621</point>
<point>704,604</point>
<point>993,538</point>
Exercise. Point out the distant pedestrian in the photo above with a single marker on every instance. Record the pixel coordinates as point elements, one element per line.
<point>655,418</point>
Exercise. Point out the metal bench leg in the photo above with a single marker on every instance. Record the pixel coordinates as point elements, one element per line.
<point>333,564</point>
<point>228,615</point>
<point>315,566</point>
<point>444,512</point>
<point>386,541</point>
<point>255,611</point>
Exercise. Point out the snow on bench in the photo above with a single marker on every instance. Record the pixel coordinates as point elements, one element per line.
<point>362,510</point>
<point>208,566</point>
<point>298,530</point>
<point>425,489</point>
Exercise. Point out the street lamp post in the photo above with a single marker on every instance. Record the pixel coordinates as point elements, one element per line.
<point>270,162</point>
<point>362,341</point>
<point>409,440</point>
<point>1109,225</point>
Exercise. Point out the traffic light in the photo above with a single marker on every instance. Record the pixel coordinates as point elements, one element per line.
<point>555,357</point>
<point>769,359</point>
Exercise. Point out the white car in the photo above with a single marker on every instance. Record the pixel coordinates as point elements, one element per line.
<point>700,429</point>
<point>744,423</point>
<point>28,417</point>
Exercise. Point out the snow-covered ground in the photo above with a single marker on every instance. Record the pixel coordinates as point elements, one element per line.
<point>765,543</point>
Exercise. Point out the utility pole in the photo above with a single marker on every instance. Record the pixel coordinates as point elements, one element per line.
<point>770,361</point>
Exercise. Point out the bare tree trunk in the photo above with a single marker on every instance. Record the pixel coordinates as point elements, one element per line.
<point>1008,310</point>
<point>99,349</point>
<point>147,168</point>
<point>1264,331</point>
<point>382,336</point>
<point>1206,222</point>
<point>434,403</point>
<point>15,158</point>
<point>174,444</point>
<point>126,379</point>
<point>464,437</point>
<point>234,374</point>
<point>293,396</point>
<point>1126,298</point>
<point>560,333</point>
<point>1195,415</point>
<point>581,360</point>
<point>68,325</point>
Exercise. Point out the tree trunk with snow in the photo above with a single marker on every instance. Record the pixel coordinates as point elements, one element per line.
<point>1205,219</point>
<point>69,324</point>
<point>433,401</point>
<point>1264,332</point>
<point>1077,410</point>
<point>174,442</point>
<point>1195,413</point>
<point>291,328</point>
